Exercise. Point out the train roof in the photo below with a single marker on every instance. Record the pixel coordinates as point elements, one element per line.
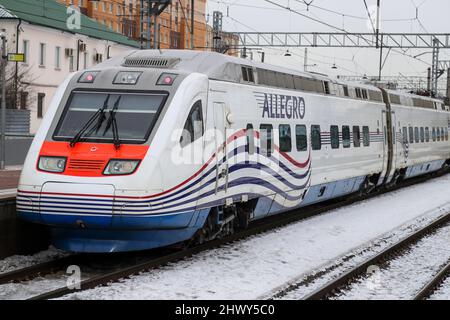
<point>218,66</point>
<point>214,65</point>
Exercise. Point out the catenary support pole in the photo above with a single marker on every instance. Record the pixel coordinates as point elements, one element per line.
<point>3,104</point>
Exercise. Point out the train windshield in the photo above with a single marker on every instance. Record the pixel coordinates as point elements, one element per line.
<point>134,115</point>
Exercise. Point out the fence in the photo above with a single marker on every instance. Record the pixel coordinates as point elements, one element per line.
<point>18,138</point>
<point>18,122</point>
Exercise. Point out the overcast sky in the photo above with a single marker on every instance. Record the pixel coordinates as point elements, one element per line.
<point>397,16</point>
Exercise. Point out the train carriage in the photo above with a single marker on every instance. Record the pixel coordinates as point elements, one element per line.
<point>160,147</point>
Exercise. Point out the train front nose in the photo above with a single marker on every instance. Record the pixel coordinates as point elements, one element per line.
<point>81,205</point>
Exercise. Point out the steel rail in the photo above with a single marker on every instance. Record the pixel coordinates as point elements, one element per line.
<point>431,286</point>
<point>344,279</point>
<point>255,228</point>
<point>39,269</point>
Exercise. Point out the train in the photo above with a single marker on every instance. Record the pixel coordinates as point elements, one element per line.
<point>157,148</point>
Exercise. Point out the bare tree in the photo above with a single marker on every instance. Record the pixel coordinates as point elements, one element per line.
<point>18,88</point>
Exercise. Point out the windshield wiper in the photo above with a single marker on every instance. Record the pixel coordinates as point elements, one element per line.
<point>99,116</point>
<point>113,122</point>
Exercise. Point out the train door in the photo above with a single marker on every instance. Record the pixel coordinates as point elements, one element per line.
<point>395,145</point>
<point>221,147</point>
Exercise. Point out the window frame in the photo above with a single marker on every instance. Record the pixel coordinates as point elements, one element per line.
<point>366,136</point>
<point>356,140</point>
<point>265,150</point>
<point>346,141</point>
<point>315,128</point>
<point>297,140</point>
<point>193,138</point>
<point>280,144</point>
<point>334,137</point>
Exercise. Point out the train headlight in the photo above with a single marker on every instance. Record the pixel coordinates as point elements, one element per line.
<point>118,167</point>
<point>127,77</point>
<point>52,164</point>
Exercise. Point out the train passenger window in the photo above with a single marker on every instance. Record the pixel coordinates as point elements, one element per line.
<point>334,132</point>
<point>301,137</point>
<point>266,139</point>
<point>411,135</point>
<point>250,148</point>
<point>442,134</point>
<point>326,87</point>
<point>446,134</point>
<point>346,136</point>
<point>416,135</point>
<point>356,137</point>
<point>422,134</point>
<point>285,138</point>
<point>438,134</point>
<point>393,135</point>
<point>346,91</point>
<point>427,134</point>
<point>366,136</point>
<point>358,93</point>
<point>193,128</point>
<point>405,135</point>
<point>316,141</point>
<point>433,134</point>
<point>364,94</point>
<point>247,74</point>
<point>244,74</point>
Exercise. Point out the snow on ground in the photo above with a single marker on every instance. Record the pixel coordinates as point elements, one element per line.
<point>443,293</point>
<point>254,267</point>
<point>407,274</point>
<point>19,261</point>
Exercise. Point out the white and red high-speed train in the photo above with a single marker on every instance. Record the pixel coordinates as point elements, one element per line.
<point>159,147</point>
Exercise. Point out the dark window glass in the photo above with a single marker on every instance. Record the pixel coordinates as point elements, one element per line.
<point>422,134</point>
<point>405,135</point>
<point>442,134</point>
<point>346,136</point>
<point>364,93</point>
<point>285,138</point>
<point>266,139</point>
<point>346,91</point>
<point>411,135</point>
<point>356,137</point>
<point>250,139</point>
<point>193,128</point>
<point>358,93</point>
<point>366,136</point>
<point>416,135</point>
<point>40,106</point>
<point>135,115</point>
<point>23,99</point>
<point>438,134</point>
<point>446,134</point>
<point>251,77</point>
<point>326,87</point>
<point>433,134</point>
<point>301,137</point>
<point>244,74</point>
<point>334,132</point>
<point>316,141</point>
<point>427,134</point>
<point>393,135</point>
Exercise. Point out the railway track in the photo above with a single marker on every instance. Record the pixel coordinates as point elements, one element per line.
<point>155,261</point>
<point>342,282</point>
<point>434,283</point>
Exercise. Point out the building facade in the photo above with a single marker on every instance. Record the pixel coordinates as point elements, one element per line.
<point>173,24</point>
<point>52,50</point>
